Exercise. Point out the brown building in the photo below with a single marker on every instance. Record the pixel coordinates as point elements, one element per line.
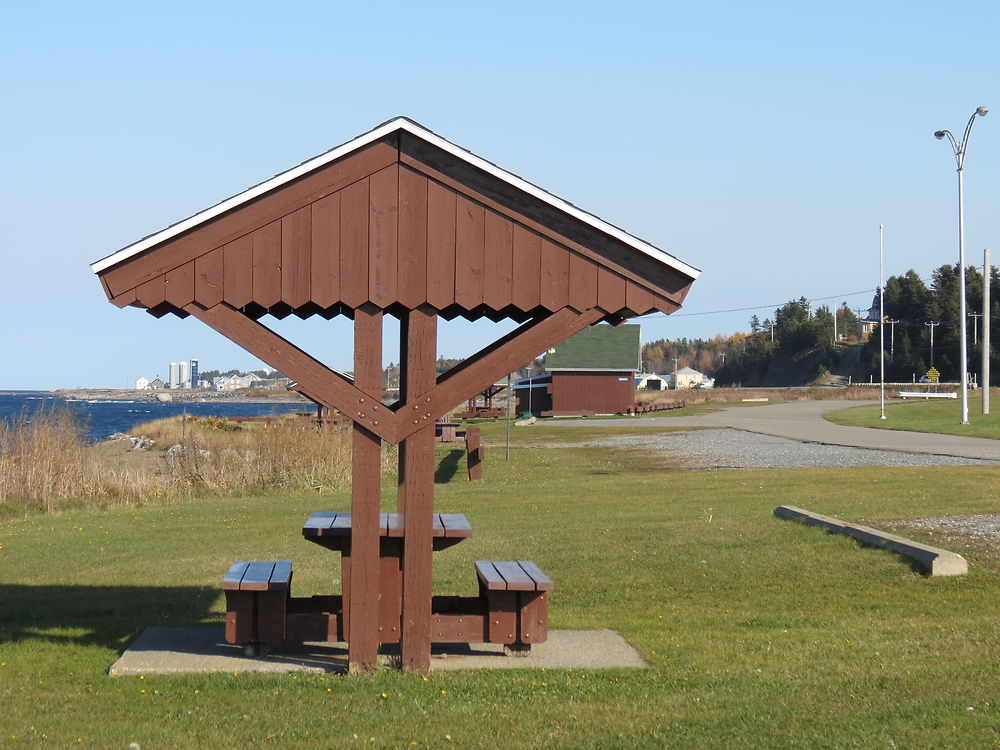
<point>592,372</point>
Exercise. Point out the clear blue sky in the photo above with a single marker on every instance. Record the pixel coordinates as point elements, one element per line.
<point>761,142</point>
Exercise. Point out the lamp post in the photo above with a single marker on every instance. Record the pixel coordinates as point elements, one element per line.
<point>881,322</point>
<point>959,150</point>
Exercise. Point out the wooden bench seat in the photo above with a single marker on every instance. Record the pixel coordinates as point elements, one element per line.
<point>517,603</point>
<point>257,595</point>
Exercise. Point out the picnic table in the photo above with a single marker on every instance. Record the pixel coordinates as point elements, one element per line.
<point>511,608</point>
<point>333,531</point>
<point>447,432</point>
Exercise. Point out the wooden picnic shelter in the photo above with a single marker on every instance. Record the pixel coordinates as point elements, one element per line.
<point>399,222</point>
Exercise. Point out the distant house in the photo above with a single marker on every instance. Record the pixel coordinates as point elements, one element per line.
<point>686,377</point>
<point>646,381</point>
<point>868,324</point>
<point>592,372</point>
<point>234,382</point>
<point>156,385</point>
<point>141,383</point>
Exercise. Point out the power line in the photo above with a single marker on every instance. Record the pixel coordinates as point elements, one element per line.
<point>756,307</point>
<point>925,279</point>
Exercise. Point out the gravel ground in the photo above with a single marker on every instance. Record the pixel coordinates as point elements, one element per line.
<point>981,526</point>
<point>722,449</point>
<point>714,450</point>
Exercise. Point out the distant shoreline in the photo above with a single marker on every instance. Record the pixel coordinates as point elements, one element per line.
<point>244,395</point>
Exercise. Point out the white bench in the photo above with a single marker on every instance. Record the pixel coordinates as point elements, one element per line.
<point>919,394</point>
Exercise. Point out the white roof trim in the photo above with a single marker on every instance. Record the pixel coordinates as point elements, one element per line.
<point>399,123</point>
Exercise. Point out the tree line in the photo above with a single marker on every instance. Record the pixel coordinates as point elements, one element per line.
<point>801,343</point>
<point>916,312</point>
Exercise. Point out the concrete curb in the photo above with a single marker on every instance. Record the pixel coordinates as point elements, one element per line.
<point>936,561</point>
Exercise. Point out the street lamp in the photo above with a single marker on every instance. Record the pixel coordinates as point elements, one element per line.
<point>959,149</point>
<point>881,321</point>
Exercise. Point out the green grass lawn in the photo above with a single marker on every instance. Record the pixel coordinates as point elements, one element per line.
<point>943,416</point>
<point>759,632</point>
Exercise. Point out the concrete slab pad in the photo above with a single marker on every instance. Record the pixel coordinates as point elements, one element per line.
<point>204,650</point>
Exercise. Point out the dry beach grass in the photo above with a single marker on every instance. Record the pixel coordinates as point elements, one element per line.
<point>45,464</point>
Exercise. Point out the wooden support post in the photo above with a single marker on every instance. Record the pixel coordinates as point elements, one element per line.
<point>362,589</point>
<point>418,355</point>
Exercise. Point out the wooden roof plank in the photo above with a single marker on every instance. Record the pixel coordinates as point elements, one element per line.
<point>324,269</point>
<point>296,257</point>
<point>151,293</point>
<point>470,242</point>
<point>266,243</point>
<point>237,272</point>
<point>179,289</point>
<point>498,262</point>
<point>610,290</point>
<point>441,216</point>
<point>553,276</point>
<point>354,217</point>
<point>411,258</point>
<point>526,274</point>
<point>582,282</point>
<point>208,277</point>
<point>383,227</point>
<point>638,299</point>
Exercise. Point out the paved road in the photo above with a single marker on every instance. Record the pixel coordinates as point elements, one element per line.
<point>803,421</point>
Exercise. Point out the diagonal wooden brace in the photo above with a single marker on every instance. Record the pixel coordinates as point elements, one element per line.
<point>324,385</point>
<point>333,389</point>
<point>500,358</point>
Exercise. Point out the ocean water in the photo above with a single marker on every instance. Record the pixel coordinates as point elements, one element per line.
<point>101,418</point>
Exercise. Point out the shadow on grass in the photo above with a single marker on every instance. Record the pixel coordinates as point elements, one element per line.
<point>448,467</point>
<point>108,616</point>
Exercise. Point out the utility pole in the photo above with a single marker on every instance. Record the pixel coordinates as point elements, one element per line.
<point>892,337</point>
<point>975,324</point>
<point>932,324</point>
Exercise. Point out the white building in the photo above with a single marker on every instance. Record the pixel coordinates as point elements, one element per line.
<point>234,382</point>
<point>687,377</point>
<point>646,381</point>
<point>172,380</point>
<point>185,375</point>
<point>141,384</point>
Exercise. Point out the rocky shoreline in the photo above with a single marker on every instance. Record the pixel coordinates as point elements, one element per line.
<point>246,395</point>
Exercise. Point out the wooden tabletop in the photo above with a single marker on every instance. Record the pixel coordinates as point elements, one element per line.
<point>330,523</point>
